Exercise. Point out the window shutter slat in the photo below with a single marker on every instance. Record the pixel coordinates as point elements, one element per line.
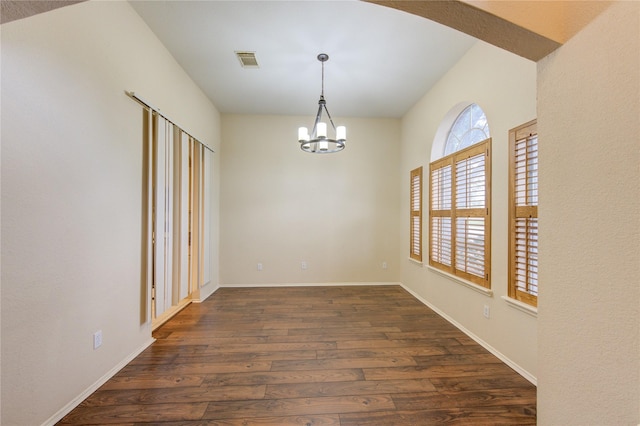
<point>441,240</point>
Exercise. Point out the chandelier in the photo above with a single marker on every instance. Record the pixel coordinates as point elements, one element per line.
<point>319,142</point>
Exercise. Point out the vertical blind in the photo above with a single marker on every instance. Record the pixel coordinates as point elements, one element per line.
<point>415,245</point>
<point>523,204</point>
<point>178,188</point>
<point>459,213</point>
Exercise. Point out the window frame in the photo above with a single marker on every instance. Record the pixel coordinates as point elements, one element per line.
<point>527,212</point>
<point>415,214</point>
<point>453,160</point>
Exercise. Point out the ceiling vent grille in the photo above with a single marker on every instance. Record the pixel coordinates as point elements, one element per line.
<point>247,59</point>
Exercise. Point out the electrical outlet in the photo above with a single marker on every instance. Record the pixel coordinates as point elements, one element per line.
<point>486,311</point>
<point>259,266</point>
<point>97,339</point>
<point>384,265</point>
<point>303,265</point>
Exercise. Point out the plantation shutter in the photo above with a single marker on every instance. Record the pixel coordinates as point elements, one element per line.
<point>415,245</point>
<point>523,194</point>
<point>459,214</point>
<point>471,213</point>
<point>440,236</point>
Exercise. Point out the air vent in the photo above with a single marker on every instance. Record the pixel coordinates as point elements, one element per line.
<point>247,59</point>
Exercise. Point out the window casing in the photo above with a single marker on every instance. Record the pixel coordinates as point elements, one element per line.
<point>460,213</point>
<point>415,232</point>
<point>523,213</point>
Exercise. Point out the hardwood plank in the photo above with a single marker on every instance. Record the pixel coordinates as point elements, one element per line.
<point>348,329</point>
<point>196,368</point>
<point>299,406</point>
<point>340,363</point>
<point>438,371</point>
<point>328,336</point>
<point>115,414</point>
<point>478,416</point>
<point>403,343</point>
<point>212,332</point>
<point>262,347</point>
<point>461,384</point>
<point>271,377</point>
<point>361,387</point>
<point>174,395</point>
<point>383,352</point>
<point>333,325</point>
<point>470,399</point>
<point>451,359</point>
<point>303,420</point>
<point>442,332</point>
<point>121,381</point>
<point>365,355</point>
<point>218,357</point>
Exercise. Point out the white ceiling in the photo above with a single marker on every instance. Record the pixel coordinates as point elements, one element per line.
<point>381,60</point>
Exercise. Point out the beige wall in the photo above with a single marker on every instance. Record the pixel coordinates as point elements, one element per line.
<point>589,126</point>
<point>282,206</point>
<point>71,196</point>
<point>504,86</point>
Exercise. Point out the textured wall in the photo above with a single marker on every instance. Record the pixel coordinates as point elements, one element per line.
<point>589,126</point>
<point>72,196</point>
<point>10,10</point>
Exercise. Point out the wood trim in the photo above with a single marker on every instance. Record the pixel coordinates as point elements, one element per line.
<point>480,24</point>
<point>170,313</point>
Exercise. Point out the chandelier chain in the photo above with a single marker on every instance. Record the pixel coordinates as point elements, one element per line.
<point>322,87</point>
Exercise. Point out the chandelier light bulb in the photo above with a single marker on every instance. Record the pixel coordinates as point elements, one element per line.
<point>303,134</point>
<point>321,131</point>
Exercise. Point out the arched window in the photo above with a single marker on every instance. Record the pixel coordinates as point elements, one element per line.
<point>470,127</point>
<point>460,199</point>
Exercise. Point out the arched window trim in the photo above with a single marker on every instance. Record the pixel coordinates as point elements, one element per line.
<point>440,138</point>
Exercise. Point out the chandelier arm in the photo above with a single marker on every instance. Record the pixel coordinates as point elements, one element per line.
<point>329,116</point>
<point>318,117</point>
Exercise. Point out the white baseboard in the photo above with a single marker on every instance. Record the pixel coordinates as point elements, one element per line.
<point>91,389</point>
<point>309,284</point>
<point>201,299</point>
<point>524,373</point>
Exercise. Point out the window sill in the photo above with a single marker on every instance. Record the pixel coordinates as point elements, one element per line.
<point>523,307</point>
<point>416,262</point>
<point>482,290</point>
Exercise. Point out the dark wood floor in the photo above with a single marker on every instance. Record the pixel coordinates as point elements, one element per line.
<point>369,355</point>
